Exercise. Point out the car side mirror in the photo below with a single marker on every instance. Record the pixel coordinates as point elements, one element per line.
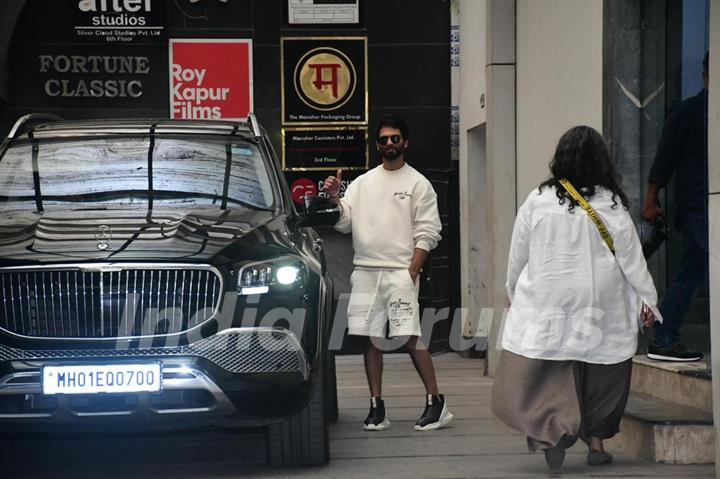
<point>320,211</point>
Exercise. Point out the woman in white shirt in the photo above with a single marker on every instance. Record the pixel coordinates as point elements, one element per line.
<point>576,306</point>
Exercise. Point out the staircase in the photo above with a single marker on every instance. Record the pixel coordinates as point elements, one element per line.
<point>668,418</point>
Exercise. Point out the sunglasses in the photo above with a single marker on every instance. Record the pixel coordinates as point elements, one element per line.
<point>394,139</point>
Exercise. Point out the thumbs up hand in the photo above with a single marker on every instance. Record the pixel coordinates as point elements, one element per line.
<point>332,184</point>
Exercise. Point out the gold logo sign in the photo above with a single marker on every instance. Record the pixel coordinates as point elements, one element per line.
<point>325,79</point>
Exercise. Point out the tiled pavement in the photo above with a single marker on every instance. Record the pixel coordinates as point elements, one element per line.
<point>476,444</point>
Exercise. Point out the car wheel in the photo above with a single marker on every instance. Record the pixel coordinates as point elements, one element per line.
<point>331,398</point>
<point>303,439</point>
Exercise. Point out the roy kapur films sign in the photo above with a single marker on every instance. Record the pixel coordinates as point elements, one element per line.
<point>210,79</point>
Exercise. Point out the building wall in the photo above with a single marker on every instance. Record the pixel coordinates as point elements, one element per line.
<point>472,72</point>
<point>472,156</point>
<point>487,163</point>
<point>537,84</point>
<point>714,214</point>
<point>559,79</point>
<point>408,62</point>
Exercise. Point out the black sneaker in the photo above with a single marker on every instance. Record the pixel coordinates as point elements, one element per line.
<point>377,419</point>
<point>676,353</point>
<point>435,415</point>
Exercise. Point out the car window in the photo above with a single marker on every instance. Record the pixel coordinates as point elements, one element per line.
<point>116,171</point>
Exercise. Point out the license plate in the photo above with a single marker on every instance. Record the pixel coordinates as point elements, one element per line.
<point>105,378</point>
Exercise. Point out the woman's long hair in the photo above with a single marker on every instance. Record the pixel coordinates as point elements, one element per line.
<point>583,157</point>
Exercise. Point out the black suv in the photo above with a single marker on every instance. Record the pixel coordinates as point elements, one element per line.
<point>155,273</point>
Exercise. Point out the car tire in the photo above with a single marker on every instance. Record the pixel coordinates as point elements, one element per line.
<point>331,395</point>
<point>303,439</point>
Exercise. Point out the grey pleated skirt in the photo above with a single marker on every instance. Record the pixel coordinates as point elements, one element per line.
<point>550,401</point>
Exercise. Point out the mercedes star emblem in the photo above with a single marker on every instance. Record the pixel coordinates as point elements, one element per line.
<point>103,235</point>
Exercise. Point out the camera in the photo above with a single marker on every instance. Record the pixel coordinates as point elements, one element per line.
<point>656,238</point>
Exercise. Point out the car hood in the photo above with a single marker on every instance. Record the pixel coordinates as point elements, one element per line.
<point>200,234</point>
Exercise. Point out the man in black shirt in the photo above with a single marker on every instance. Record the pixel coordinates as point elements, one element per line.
<point>683,151</point>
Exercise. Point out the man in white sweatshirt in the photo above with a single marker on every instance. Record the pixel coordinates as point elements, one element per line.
<point>393,215</point>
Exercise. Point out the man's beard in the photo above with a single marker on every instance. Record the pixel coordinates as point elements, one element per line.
<point>394,154</point>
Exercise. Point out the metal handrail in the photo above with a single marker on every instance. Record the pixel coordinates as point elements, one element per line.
<point>15,130</point>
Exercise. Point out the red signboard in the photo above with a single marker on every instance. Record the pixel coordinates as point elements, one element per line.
<point>210,79</point>
<point>302,187</point>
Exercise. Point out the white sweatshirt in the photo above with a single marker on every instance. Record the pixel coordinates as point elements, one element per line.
<point>390,213</point>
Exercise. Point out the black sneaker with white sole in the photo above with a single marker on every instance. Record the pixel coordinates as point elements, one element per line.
<point>376,419</point>
<point>678,353</point>
<point>435,415</point>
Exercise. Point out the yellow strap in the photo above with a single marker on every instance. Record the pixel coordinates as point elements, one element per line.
<point>604,233</point>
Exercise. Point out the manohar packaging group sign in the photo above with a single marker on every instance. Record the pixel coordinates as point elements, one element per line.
<point>324,80</point>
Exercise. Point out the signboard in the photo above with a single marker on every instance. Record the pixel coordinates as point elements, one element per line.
<point>90,76</point>
<point>311,183</point>
<point>210,79</point>
<point>318,149</point>
<point>323,12</point>
<point>120,21</point>
<point>324,81</point>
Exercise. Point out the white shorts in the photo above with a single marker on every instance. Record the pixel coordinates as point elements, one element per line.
<point>382,297</point>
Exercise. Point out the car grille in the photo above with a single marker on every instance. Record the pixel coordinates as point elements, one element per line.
<point>252,351</point>
<point>111,302</point>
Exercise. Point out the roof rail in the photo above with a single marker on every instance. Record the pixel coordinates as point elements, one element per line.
<point>254,125</point>
<point>16,129</point>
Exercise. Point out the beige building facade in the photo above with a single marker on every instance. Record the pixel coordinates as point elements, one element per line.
<point>531,69</point>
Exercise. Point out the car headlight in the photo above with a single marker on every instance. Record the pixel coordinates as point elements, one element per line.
<point>287,274</point>
<point>258,278</point>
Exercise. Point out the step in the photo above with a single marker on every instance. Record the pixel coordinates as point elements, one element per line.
<point>665,431</point>
<point>686,383</point>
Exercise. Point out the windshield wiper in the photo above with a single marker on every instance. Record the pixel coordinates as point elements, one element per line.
<point>36,171</point>
<point>151,150</point>
<point>226,179</point>
<point>228,166</point>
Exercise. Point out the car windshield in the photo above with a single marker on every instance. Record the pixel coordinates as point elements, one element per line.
<point>119,171</point>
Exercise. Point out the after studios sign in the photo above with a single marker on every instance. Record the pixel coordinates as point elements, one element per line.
<point>120,21</point>
<point>324,80</point>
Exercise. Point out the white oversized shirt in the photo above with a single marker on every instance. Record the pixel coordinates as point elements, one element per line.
<point>570,298</point>
<point>390,213</point>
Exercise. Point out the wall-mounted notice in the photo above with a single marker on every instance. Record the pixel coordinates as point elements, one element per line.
<point>319,149</point>
<point>323,12</point>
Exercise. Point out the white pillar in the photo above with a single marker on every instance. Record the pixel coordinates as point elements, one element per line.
<point>472,159</point>
<point>487,162</point>
<point>714,216</point>
<point>501,159</point>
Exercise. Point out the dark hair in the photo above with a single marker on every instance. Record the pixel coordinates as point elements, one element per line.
<point>391,121</point>
<point>583,157</point>
<point>706,63</point>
